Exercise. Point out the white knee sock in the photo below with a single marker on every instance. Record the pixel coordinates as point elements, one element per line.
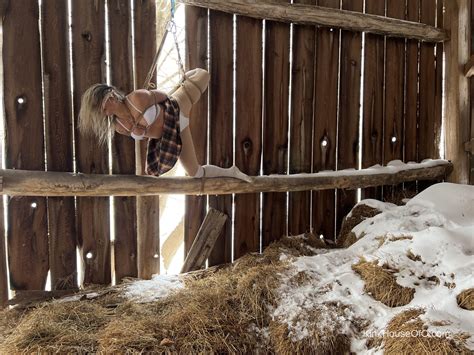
<point>215,171</point>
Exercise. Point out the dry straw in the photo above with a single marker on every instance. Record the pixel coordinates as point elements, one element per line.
<point>466,299</point>
<point>358,214</point>
<point>381,283</point>
<point>407,334</point>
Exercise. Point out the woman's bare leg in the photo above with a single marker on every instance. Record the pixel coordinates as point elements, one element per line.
<point>191,89</point>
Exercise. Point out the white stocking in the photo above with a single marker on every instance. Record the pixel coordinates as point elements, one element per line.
<point>215,171</point>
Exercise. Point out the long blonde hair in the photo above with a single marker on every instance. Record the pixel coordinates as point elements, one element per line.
<point>92,120</point>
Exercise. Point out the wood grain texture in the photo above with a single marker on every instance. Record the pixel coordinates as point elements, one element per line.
<point>411,131</point>
<point>196,50</point>
<point>28,232</point>
<point>41,183</point>
<point>314,15</point>
<point>325,122</point>
<point>248,135</point>
<point>457,93</point>
<point>88,52</point>
<point>301,123</point>
<point>275,129</point>
<point>210,230</point>
<point>123,147</point>
<point>58,119</point>
<point>4,285</point>
<point>471,85</point>
<point>349,102</point>
<point>148,207</point>
<point>221,121</point>
<point>374,100</point>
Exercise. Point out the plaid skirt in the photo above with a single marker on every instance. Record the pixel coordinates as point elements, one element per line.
<point>163,153</point>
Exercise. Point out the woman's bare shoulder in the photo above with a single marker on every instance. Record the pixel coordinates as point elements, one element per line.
<point>141,98</point>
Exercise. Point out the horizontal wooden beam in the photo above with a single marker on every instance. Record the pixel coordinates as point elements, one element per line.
<point>42,183</point>
<point>322,16</point>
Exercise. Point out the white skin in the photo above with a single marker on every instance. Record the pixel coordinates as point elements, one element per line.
<point>143,99</point>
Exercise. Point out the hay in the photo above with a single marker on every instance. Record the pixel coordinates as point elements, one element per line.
<point>406,333</point>
<point>61,327</point>
<point>212,315</point>
<point>323,333</point>
<point>466,299</point>
<point>381,284</point>
<point>359,213</point>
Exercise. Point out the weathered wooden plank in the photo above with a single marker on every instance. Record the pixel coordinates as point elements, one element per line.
<point>58,119</point>
<point>372,144</point>
<point>148,207</point>
<point>348,120</point>
<point>394,97</point>
<point>88,51</point>
<point>471,84</point>
<point>325,122</point>
<point>27,220</point>
<point>275,131</point>
<point>248,135</point>
<point>210,230</point>
<point>301,122</point>
<point>221,121</point>
<point>4,286</point>
<point>430,126</point>
<point>411,94</point>
<point>457,91</point>
<point>41,183</point>
<point>314,15</point>
<point>123,148</point>
<point>196,50</point>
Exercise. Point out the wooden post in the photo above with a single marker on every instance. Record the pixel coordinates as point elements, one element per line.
<point>196,50</point>
<point>27,218</point>
<point>325,122</point>
<point>457,92</point>
<point>248,135</point>
<point>58,118</point>
<point>148,207</point>
<point>206,237</point>
<point>221,119</point>
<point>3,262</point>
<point>301,122</point>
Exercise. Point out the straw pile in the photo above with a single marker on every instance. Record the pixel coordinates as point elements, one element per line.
<point>466,299</point>
<point>222,311</point>
<point>406,333</point>
<point>359,213</point>
<point>382,285</point>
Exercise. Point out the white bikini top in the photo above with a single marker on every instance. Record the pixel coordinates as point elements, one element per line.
<point>150,115</point>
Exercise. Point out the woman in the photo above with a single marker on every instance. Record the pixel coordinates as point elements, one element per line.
<point>155,115</point>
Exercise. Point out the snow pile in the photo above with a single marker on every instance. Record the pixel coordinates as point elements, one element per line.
<point>429,243</point>
<point>151,290</point>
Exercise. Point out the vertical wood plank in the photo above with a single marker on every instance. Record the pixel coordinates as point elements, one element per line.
<point>221,121</point>
<point>27,220</point>
<point>275,131</point>
<point>248,134</point>
<point>394,97</point>
<point>123,147</point>
<point>148,207</point>
<point>430,125</point>
<point>457,92</point>
<point>374,54</point>
<point>3,261</point>
<point>88,51</point>
<point>325,122</point>
<point>301,122</point>
<point>471,85</point>
<point>196,50</point>
<point>348,121</point>
<point>411,89</point>
<point>58,119</point>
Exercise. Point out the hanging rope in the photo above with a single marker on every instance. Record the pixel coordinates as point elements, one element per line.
<point>170,27</point>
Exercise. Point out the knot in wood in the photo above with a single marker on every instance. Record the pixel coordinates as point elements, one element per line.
<point>87,36</point>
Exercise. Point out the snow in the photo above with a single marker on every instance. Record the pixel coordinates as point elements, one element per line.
<point>151,290</point>
<point>437,225</point>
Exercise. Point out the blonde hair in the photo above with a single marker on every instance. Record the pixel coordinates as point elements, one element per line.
<point>92,120</point>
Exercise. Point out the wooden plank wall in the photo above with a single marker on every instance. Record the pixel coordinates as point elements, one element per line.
<point>471,85</point>
<point>277,130</point>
